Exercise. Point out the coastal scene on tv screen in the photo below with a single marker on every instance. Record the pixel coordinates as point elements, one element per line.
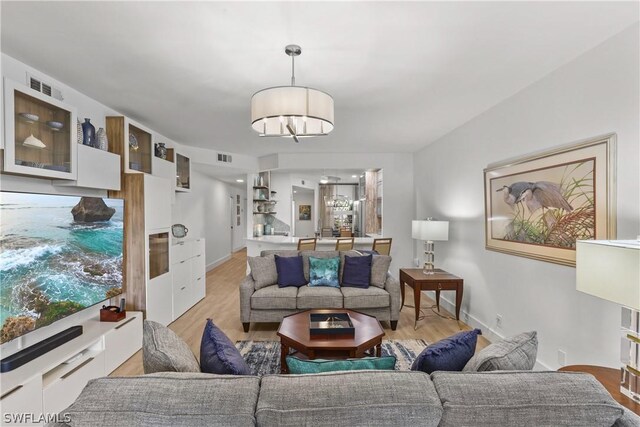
<point>58,255</point>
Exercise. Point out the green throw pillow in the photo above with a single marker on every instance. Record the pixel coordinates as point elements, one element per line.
<point>316,366</point>
<point>324,271</point>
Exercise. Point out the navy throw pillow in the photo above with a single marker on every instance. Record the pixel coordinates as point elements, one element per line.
<point>449,354</point>
<point>218,355</point>
<point>357,271</point>
<point>290,271</point>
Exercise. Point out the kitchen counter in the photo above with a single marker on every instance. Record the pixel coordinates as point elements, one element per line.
<point>255,245</point>
<point>290,240</point>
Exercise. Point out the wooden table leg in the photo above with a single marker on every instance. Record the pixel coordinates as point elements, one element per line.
<point>379,350</point>
<point>284,351</point>
<point>459,290</point>
<point>402,285</point>
<point>416,303</point>
<point>438,299</point>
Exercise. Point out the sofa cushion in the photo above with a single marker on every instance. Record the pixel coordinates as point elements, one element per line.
<point>218,355</point>
<point>324,271</point>
<point>315,254</point>
<point>371,297</point>
<point>356,271</point>
<point>319,297</point>
<point>449,354</point>
<point>274,298</point>
<point>379,269</point>
<point>316,366</point>
<point>167,400</point>
<point>263,270</point>
<point>164,351</point>
<point>381,398</point>
<point>290,272</point>
<point>524,399</point>
<point>517,353</point>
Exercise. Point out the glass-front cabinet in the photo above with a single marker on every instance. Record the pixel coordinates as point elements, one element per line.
<point>183,173</point>
<point>40,134</point>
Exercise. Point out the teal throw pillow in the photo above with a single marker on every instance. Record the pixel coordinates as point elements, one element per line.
<point>316,366</point>
<point>324,271</point>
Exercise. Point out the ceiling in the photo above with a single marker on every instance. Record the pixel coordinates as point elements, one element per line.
<point>402,74</point>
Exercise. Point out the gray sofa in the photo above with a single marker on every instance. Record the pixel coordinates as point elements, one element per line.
<point>356,398</point>
<point>271,303</point>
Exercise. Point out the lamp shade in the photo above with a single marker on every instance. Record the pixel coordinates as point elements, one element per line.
<point>609,269</point>
<point>309,112</point>
<point>430,230</point>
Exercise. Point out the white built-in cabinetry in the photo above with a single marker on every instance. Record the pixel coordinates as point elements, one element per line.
<point>51,382</point>
<point>189,274</point>
<point>96,169</point>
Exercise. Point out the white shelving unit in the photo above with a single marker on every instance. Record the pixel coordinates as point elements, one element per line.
<point>189,275</point>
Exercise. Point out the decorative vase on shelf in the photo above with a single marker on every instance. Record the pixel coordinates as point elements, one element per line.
<point>88,133</point>
<point>161,150</point>
<point>80,136</point>
<point>102,142</point>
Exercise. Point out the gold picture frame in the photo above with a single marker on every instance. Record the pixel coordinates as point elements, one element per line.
<point>538,205</point>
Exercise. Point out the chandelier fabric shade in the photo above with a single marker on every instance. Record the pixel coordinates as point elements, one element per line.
<point>308,111</point>
<point>292,111</point>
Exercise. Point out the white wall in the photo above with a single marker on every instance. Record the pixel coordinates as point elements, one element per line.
<point>596,93</point>
<point>304,228</point>
<point>205,212</point>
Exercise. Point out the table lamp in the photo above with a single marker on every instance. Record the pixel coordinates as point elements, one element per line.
<point>429,230</point>
<point>610,269</point>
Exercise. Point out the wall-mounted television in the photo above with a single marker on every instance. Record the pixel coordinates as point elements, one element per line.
<point>58,255</point>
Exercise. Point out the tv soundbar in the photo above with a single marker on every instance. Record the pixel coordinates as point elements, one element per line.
<point>26,355</point>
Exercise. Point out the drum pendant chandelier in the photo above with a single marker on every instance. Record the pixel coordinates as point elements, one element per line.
<point>292,111</point>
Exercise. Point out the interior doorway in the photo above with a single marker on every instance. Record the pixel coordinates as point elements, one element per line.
<point>232,218</point>
<point>303,211</point>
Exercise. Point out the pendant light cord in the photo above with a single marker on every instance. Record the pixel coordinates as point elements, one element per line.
<point>293,70</point>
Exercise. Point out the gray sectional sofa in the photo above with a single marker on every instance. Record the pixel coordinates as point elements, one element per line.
<point>356,398</point>
<point>261,300</point>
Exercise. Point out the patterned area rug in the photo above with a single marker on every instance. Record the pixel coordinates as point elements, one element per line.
<point>263,357</point>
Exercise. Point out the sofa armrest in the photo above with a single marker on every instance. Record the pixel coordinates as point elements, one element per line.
<point>392,285</point>
<point>247,288</point>
<point>628,419</point>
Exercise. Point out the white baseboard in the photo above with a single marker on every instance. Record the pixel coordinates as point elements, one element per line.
<point>239,248</point>
<point>489,333</point>
<point>217,262</point>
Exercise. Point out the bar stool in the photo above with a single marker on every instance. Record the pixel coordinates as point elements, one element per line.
<point>382,246</point>
<point>344,243</point>
<point>308,244</point>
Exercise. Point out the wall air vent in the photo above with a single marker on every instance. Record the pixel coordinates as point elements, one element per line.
<point>37,84</point>
<point>224,158</point>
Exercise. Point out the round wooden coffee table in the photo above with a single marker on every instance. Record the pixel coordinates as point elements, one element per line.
<point>294,334</point>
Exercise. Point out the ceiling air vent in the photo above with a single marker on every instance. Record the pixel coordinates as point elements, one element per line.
<point>224,158</point>
<point>46,88</point>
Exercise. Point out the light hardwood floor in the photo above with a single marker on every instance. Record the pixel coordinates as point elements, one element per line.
<point>222,304</point>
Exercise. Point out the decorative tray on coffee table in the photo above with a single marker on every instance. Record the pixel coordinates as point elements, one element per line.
<point>330,324</point>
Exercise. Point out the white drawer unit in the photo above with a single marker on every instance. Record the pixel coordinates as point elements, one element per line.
<point>24,398</point>
<point>63,385</point>
<point>122,342</point>
<point>188,268</point>
<point>50,383</point>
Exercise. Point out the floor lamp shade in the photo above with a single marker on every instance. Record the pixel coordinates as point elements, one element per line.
<point>609,269</point>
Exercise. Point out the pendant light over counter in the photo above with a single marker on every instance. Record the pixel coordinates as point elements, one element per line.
<point>292,111</point>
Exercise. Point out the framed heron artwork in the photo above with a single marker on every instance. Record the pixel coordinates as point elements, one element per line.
<point>538,205</point>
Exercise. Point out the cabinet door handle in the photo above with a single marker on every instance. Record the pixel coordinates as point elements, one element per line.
<point>122,324</point>
<point>182,288</point>
<point>182,262</point>
<point>198,255</point>
<point>68,374</point>
<point>199,278</point>
<point>10,392</point>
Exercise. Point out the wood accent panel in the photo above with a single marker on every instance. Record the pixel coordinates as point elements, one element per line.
<point>115,134</point>
<point>371,192</point>
<point>222,304</point>
<point>134,242</point>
